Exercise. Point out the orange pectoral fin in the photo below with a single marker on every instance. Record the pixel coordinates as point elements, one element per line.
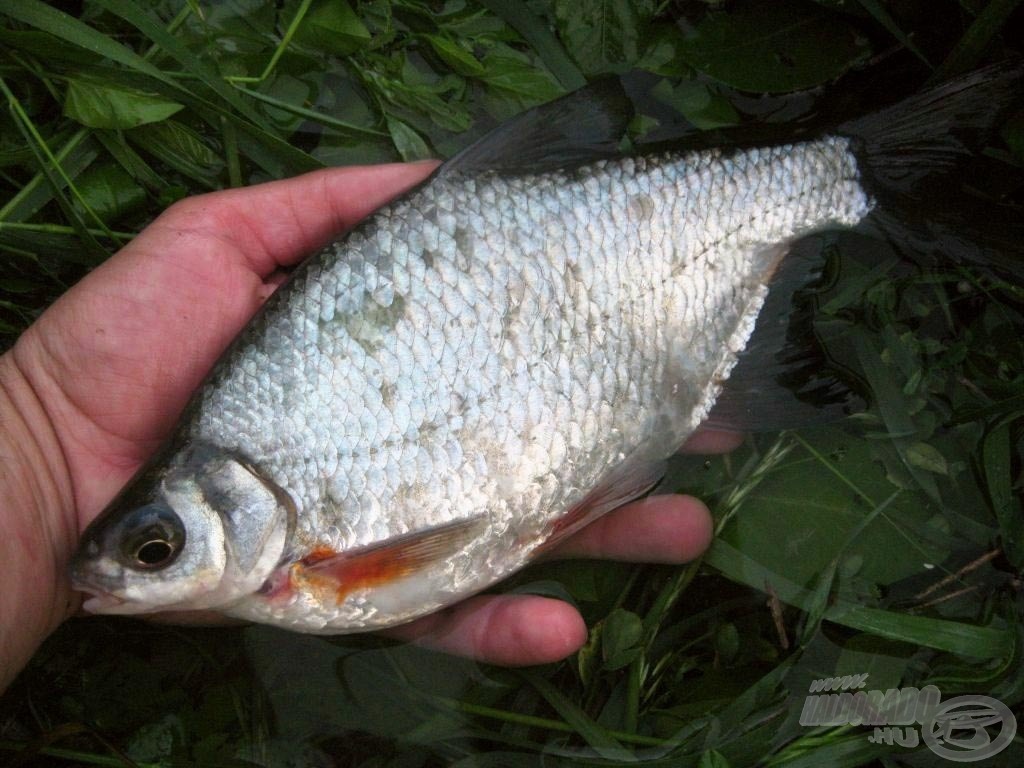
<point>382,562</point>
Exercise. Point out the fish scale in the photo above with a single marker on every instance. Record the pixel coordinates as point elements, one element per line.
<point>574,353</point>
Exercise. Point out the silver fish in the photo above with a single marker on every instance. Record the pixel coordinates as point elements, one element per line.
<point>475,372</point>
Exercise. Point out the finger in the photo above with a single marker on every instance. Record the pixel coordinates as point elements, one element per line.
<point>277,223</point>
<point>510,630</point>
<point>658,529</point>
<point>712,441</point>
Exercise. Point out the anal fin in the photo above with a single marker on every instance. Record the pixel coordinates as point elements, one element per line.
<point>784,378</point>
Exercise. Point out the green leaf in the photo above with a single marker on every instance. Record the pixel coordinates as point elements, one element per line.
<point>696,102</point>
<point>800,522</point>
<point>537,33</point>
<point>181,148</point>
<point>408,143</point>
<point>927,457</point>
<point>943,635</point>
<point>727,642</point>
<point>660,52</point>
<point>952,636</point>
<point>137,168</point>
<point>156,741</point>
<point>621,632</point>
<point>601,35</point>
<point>143,19</point>
<point>102,105</point>
<point>455,56</point>
<point>517,76</point>
<point>412,93</point>
<point>818,603</point>
<point>773,47</point>
<point>332,26</point>
<point>110,191</point>
<point>893,405</point>
<point>996,456</point>
<point>588,657</point>
<point>884,661</point>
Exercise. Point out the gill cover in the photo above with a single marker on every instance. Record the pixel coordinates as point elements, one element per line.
<point>202,533</point>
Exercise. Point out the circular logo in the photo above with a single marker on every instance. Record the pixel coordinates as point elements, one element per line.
<point>956,729</point>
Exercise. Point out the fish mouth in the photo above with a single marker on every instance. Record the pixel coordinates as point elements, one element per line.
<point>101,602</point>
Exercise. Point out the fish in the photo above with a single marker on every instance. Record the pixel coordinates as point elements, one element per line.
<point>504,354</point>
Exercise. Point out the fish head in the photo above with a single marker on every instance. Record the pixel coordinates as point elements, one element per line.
<point>201,533</point>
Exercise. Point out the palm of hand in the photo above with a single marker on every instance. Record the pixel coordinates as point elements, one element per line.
<point>118,356</point>
<point>114,361</point>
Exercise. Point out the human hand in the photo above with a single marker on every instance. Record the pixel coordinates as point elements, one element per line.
<point>97,383</point>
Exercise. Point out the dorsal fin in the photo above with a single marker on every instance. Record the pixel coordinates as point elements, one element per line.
<point>587,124</point>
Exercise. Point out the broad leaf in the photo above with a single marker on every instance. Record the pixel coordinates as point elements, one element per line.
<point>807,513</point>
<point>109,191</point>
<point>601,35</point>
<point>104,105</point>
<point>408,143</point>
<point>181,148</point>
<point>332,26</point>
<point>773,47</point>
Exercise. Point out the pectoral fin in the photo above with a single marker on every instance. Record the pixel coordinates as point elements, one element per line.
<point>380,563</point>
<point>632,478</point>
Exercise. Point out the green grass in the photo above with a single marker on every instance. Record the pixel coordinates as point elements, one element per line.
<point>890,543</point>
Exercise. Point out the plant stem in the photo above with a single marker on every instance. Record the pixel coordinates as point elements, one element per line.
<point>75,754</point>
<point>62,229</point>
<point>541,722</point>
<point>279,51</point>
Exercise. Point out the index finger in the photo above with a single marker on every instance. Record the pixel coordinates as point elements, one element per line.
<point>277,223</point>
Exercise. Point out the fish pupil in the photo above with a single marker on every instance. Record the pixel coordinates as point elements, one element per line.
<point>151,537</point>
<point>154,553</point>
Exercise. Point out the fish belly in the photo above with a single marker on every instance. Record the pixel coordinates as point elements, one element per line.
<point>493,347</point>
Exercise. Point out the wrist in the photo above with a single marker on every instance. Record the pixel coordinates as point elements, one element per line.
<point>38,528</point>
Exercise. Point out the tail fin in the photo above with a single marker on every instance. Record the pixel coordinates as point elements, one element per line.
<point>913,158</point>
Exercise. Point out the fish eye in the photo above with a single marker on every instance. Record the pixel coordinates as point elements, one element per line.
<point>152,537</point>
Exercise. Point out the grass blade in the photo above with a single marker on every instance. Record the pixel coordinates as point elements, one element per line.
<point>309,114</point>
<point>77,154</point>
<point>882,16</point>
<point>71,30</point>
<point>596,736</point>
<point>972,46</point>
<point>941,634</point>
